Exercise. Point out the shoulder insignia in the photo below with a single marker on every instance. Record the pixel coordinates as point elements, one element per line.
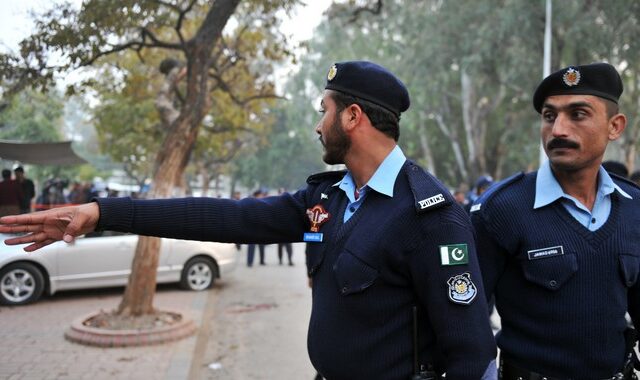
<point>495,189</point>
<point>428,193</point>
<point>334,176</point>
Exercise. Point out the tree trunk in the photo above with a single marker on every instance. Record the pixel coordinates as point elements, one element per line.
<point>452,135</point>
<point>468,120</point>
<point>175,152</point>
<point>424,144</point>
<point>633,129</point>
<point>206,179</point>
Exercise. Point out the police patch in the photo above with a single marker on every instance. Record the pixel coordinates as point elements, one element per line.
<point>432,201</point>
<point>461,289</point>
<point>454,254</point>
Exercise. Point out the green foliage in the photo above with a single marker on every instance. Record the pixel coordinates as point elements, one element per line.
<point>291,154</point>
<point>241,95</point>
<point>33,117</point>
<point>498,46</point>
<point>125,118</point>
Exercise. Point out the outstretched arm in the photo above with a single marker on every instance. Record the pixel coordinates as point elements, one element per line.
<point>45,227</point>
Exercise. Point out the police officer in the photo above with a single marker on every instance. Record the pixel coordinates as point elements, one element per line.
<point>385,237</point>
<point>560,247</point>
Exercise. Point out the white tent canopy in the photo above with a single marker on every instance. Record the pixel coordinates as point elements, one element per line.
<point>42,153</point>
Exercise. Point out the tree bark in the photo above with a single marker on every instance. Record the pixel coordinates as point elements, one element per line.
<point>175,152</point>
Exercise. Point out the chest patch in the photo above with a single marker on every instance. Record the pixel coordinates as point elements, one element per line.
<point>543,253</point>
<point>317,216</point>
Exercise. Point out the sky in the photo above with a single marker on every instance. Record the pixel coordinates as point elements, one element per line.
<point>15,23</point>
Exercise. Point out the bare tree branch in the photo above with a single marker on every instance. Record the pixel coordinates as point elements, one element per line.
<point>374,10</point>
<point>227,128</point>
<point>156,41</point>
<point>181,15</point>
<point>224,86</point>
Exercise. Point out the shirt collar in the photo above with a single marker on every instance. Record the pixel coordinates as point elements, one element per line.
<point>549,190</point>
<point>384,179</point>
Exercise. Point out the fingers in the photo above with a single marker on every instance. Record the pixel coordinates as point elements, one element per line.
<point>43,228</point>
<point>24,223</point>
<point>36,246</point>
<point>24,219</point>
<point>16,229</point>
<point>30,238</point>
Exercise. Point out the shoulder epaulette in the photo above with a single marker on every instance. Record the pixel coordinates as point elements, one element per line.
<point>428,193</point>
<point>324,176</point>
<point>495,189</point>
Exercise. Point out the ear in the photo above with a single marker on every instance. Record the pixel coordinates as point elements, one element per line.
<point>352,116</point>
<point>616,126</point>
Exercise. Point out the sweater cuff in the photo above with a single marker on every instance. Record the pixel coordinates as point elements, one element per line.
<point>116,214</point>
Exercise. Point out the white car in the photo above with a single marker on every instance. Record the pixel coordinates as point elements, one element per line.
<point>102,260</point>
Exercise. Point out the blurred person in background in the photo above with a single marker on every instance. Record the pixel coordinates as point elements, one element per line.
<point>11,197</point>
<point>27,187</point>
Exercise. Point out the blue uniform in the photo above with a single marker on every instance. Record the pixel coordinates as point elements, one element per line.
<point>562,282</point>
<point>414,248</point>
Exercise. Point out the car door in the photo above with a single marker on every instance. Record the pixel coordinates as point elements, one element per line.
<point>99,259</point>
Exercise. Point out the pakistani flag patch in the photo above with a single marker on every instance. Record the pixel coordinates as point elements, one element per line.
<point>454,254</point>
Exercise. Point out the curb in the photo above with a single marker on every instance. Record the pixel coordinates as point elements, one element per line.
<point>91,336</point>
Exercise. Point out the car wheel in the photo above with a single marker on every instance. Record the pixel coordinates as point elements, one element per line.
<point>198,274</point>
<point>20,283</point>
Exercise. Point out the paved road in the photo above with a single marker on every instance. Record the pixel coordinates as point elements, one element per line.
<point>252,326</point>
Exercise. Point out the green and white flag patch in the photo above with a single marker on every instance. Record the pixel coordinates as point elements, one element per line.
<point>454,254</point>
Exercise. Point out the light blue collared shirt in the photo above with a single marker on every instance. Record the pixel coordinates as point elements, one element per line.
<point>548,190</point>
<point>382,181</point>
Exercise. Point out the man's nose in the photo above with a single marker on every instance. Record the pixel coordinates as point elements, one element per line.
<point>561,126</point>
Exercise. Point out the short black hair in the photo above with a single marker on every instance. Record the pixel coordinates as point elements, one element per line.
<point>6,173</point>
<point>381,119</point>
<point>611,107</point>
<point>19,169</point>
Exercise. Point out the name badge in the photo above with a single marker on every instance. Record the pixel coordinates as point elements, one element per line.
<point>312,237</point>
<point>543,253</point>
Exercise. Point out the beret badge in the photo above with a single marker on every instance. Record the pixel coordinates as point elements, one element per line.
<point>571,77</point>
<point>332,73</point>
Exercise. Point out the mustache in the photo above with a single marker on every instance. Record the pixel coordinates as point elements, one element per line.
<point>562,143</point>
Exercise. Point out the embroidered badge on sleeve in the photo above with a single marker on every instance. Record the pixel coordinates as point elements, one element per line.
<point>454,254</point>
<point>461,289</point>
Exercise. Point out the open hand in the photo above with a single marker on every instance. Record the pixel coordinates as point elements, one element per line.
<point>45,227</point>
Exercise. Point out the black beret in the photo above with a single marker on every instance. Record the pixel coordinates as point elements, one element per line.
<point>598,79</point>
<point>371,82</point>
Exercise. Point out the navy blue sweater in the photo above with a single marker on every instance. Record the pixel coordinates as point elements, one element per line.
<point>367,273</point>
<point>562,291</point>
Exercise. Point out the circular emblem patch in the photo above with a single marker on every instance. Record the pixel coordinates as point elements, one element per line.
<point>571,77</point>
<point>332,73</point>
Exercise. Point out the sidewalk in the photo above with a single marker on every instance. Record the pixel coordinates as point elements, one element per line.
<point>259,322</point>
<point>34,346</point>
